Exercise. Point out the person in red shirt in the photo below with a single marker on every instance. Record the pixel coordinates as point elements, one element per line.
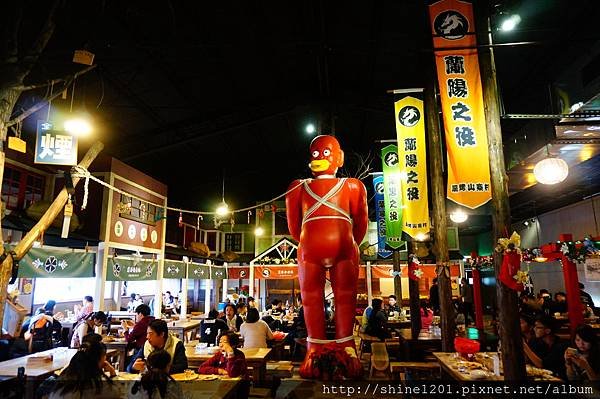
<point>136,338</point>
<point>229,361</point>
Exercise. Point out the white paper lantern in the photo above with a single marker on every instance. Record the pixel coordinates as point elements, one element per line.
<point>551,171</point>
<point>459,216</point>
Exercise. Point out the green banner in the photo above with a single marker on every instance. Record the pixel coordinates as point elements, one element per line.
<point>41,262</point>
<point>218,272</point>
<point>123,269</point>
<point>174,269</point>
<point>198,271</point>
<point>392,196</point>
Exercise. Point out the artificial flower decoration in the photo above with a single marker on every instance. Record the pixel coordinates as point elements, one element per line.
<point>521,277</point>
<point>509,244</point>
<point>418,273</point>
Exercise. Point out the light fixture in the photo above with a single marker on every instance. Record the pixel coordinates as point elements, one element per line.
<point>510,23</point>
<point>222,209</point>
<point>540,259</point>
<point>551,171</point>
<point>310,128</point>
<point>79,127</point>
<point>421,237</point>
<point>459,216</point>
<point>259,231</point>
<point>526,223</point>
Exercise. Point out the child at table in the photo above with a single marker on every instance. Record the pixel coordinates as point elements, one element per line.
<point>230,361</point>
<point>157,378</point>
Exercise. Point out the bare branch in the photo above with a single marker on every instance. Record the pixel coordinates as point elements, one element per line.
<point>42,103</point>
<point>42,40</point>
<point>55,81</point>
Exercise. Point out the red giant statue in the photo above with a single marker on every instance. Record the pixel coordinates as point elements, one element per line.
<point>329,217</point>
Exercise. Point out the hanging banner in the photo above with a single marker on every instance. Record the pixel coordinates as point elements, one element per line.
<point>218,272</point>
<point>174,269</point>
<point>125,269</point>
<point>198,271</point>
<point>380,215</point>
<point>276,272</point>
<point>453,26</point>
<point>238,272</point>
<point>41,262</point>
<point>410,129</point>
<point>392,196</point>
<point>387,271</point>
<point>54,147</point>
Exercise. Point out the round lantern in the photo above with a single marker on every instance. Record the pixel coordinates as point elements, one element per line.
<point>459,216</point>
<point>551,171</point>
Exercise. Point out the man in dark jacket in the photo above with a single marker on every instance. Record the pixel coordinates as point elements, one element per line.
<point>158,337</point>
<point>212,327</point>
<point>136,338</point>
<point>434,297</point>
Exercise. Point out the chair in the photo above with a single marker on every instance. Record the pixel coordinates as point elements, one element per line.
<point>364,338</point>
<point>380,360</point>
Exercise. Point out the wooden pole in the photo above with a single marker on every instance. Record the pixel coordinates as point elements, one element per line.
<point>438,199</point>
<point>414,299</point>
<point>45,221</point>
<point>513,357</point>
<point>397,277</point>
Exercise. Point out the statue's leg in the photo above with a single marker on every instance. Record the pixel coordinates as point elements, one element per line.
<point>312,284</point>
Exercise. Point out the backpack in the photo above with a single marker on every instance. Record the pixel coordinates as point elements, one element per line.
<point>41,335</point>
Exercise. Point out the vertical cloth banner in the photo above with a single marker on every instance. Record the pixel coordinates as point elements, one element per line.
<point>410,129</point>
<point>453,26</point>
<point>380,215</point>
<point>392,196</point>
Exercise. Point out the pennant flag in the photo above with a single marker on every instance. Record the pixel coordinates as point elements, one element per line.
<point>124,269</point>
<point>380,215</point>
<point>392,196</point>
<point>453,26</point>
<point>45,262</point>
<point>410,129</point>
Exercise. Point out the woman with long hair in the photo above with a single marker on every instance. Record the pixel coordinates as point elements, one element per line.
<point>85,374</point>
<point>376,326</point>
<point>255,331</point>
<point>583,361</point>
<point>86,326</point>
<point>426,315</point>
<point>157,379</point>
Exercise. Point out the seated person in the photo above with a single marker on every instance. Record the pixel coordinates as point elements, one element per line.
<point>392,305</point>
<point>582,361</point>
<point>277,308</point>
<point>39,332</point>
<point>136,336</point>
<point>365,318</point>
<point>546,350</point>
<point>242,310</point>
<point>376,326</point>
<point>254,331</point>
<point>157,379</point>
<point>212,327</point>
<point>158,337</point>
<point>426,315</point>
<point>86,326</point>
<point>526,324</point>
<point>229,361</point>
<point>560,303</point>
<point>83,310</point>
<point>231,318</point>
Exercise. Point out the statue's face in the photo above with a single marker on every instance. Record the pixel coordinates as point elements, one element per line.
<point>326,156</point>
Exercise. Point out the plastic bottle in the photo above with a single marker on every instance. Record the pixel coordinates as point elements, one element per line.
<point>496,360</point>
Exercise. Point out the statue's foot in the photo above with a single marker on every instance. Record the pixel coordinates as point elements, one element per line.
<point>306,369</point>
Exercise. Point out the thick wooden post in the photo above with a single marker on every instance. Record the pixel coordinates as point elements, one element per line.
<point>397,277</point>
<point>45,221</point>
<point>414,300</point>
<point>513,357</point>
<point>438,199</point>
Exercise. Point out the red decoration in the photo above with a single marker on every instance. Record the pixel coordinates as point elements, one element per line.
<point>412,268</point>
<point>273,208</point>
<point>511,264</point>
<point>565,237</point>
<point>466,346</point>
<point>180,219</point>
<point>329,238</point>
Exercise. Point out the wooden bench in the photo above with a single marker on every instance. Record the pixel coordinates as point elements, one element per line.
<point>380,360</point>
<point>280,369</point>
<point>364,338</point>
<point>426,368</point>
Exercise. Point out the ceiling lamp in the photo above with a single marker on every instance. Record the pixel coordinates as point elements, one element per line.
<point>222,209</point>
<point>551,171</point>
<point>259,231</point>
<point>459,216</point>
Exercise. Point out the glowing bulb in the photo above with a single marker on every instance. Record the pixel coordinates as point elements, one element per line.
<point>78,127</point>
<point>259,231</point>
<point>459,216</point>
<point>551,171</point>
<point>310,128</point>
<point>222,209</point>
<point>421,237</point>
<point>510,23</point>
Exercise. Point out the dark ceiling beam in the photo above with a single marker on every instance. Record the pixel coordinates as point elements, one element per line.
<point>132,97</point>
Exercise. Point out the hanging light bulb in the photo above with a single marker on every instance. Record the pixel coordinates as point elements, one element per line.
<point>551,171</point>
<point>222,209</point>
<point>459,216</point>
<point>259,231</point>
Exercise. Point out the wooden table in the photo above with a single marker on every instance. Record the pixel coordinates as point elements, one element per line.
<point>426,342</point>
<point>120,346</point>
<point>181,327</point>
<point>255,358</point>
<point>397,324</point>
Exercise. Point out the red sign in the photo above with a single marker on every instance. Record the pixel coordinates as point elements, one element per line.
<point>238,272</point>
<point>276,272</point>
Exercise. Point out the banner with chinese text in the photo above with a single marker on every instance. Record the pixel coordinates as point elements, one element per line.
<point>276,272</point>
<point>54,147</point>
<point>410,129</point>
<point>453,26</point>
<point>42,262</point>
<point>125,269</point>
<point>380,215</point>
<point>392,196</point>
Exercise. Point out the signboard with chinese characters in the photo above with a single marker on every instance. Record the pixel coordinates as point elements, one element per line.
<point>125,269</point>
<point>54,147</point>
<point>238,272</point>
<point>42,262</point>
<point>276,272</point>
<point>410,128</point>
<point>199,271</point>
<point>174,269</point>
<point>392,196</point>
<point>453,28</point>
<point>380,215</point>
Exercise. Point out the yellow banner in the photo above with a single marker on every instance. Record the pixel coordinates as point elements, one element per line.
<point>410,128</point>
<point>453,26</point>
